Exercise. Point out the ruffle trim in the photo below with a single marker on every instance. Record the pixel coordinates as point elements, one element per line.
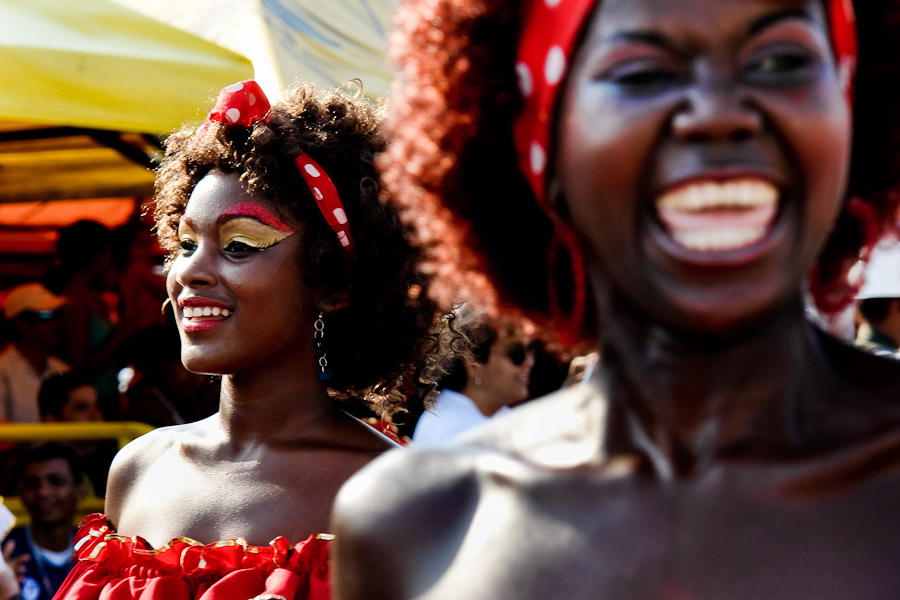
<point>111,558</point>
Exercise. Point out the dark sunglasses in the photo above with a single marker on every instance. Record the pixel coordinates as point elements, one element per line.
<point>518,353</point>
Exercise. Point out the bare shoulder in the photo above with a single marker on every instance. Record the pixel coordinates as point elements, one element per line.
<point>413,503</point>
<point>136,457</point>
<point>561,430</point>
<point>393,510</point>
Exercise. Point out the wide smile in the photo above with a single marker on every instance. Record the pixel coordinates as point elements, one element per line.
<point>198,315</point>
<point>718,220</point>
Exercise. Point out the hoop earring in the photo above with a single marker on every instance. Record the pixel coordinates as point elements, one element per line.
<point>477,382</point>
<point>166,302</point>
<point>319,350</point>
<point>569,326</point>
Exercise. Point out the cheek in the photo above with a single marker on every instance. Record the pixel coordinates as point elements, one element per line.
<point>605,152</point>
<point>172,286</point>
<point>822,142</point>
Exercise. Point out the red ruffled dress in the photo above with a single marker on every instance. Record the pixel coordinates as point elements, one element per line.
<point>114,567</point>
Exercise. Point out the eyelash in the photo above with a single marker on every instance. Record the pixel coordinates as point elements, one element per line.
<point>187,246</point>
<point>236,247</point>
<point>647,75</point>
<point>781,61</point>
<point>641,75</point>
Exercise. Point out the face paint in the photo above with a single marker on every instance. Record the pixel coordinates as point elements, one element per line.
<point>240,231</point>
<point>258,212</point>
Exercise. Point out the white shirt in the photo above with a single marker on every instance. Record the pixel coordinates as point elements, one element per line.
<point>19,385</point>
<point>452,414</point>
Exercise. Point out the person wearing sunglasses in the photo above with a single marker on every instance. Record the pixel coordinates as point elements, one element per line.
<point>480,386</point>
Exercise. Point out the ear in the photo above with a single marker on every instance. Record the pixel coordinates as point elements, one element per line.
<point>473,368</point>
<point>334,302</point>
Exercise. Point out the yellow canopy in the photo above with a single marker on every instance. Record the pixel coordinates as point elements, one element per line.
<point>325,41</point>
<point>97,64</point>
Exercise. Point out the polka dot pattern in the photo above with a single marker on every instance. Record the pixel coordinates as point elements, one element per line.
<point>555,65</point>
<point>526,85</point>
<point>242,103</point>
<point>327,199</point>
<point>551,28</point>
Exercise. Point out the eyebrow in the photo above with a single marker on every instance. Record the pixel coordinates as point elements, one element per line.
<point>243,210</point>
<point>776,17</point>
<point>645,37</point>
<point>656,39</point>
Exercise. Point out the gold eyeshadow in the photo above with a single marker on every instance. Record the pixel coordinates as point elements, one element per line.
<point>185,232</point>
<point>250,232</point>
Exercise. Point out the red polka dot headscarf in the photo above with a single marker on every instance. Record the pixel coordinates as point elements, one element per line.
<point>550,30</point>
<point>244,103</point>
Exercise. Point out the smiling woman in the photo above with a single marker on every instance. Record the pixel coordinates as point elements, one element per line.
<point>714,161</point>
<point>288,277</point>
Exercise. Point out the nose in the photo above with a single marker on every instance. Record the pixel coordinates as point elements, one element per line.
<point>44,488</point>
<point>529,360</point>
<point>716,108</point>
<point>196,269</point>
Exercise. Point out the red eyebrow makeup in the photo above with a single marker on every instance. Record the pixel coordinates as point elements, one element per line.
<point>258,212</point>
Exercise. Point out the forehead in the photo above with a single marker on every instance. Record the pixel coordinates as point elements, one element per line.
<point>710,17</point>
<point>216,194</point>
<point>83,392</point>
<point>510,335</point>
<point>44,468</point>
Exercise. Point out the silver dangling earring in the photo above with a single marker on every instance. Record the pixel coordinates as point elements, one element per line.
<point>477,382</point>
<point>319,351</point>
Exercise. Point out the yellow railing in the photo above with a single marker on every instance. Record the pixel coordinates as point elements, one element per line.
<point>121,431</point>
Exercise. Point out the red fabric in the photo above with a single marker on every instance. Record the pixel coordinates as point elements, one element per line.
<point>113,567</point>
<point>327,199</point>
<point>242,103</point>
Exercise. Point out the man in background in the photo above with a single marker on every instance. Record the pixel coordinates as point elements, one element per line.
<point>50,487</point>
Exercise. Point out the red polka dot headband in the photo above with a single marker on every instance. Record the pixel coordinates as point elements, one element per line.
<point>550,30</point>
<point>243,104</point>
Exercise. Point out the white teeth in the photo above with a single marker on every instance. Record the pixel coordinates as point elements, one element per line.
<point>741,193</point>
<point>205,311</point>
<point>719,239</point>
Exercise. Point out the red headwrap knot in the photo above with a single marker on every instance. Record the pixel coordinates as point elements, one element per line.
<point>242,103</point>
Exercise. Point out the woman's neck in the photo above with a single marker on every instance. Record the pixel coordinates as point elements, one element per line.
<point>271,406</point>
<point>692,394</point>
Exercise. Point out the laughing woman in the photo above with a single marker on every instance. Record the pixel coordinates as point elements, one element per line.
<point>712,163</point>
<point>294,282</point>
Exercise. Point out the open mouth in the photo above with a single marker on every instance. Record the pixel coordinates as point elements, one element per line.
<point>712,216</point>
<point>199,312</point>
<point>198,317</point>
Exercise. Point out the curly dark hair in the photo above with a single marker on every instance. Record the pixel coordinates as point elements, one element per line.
<point>383,333</point>
<point>452,155</point>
